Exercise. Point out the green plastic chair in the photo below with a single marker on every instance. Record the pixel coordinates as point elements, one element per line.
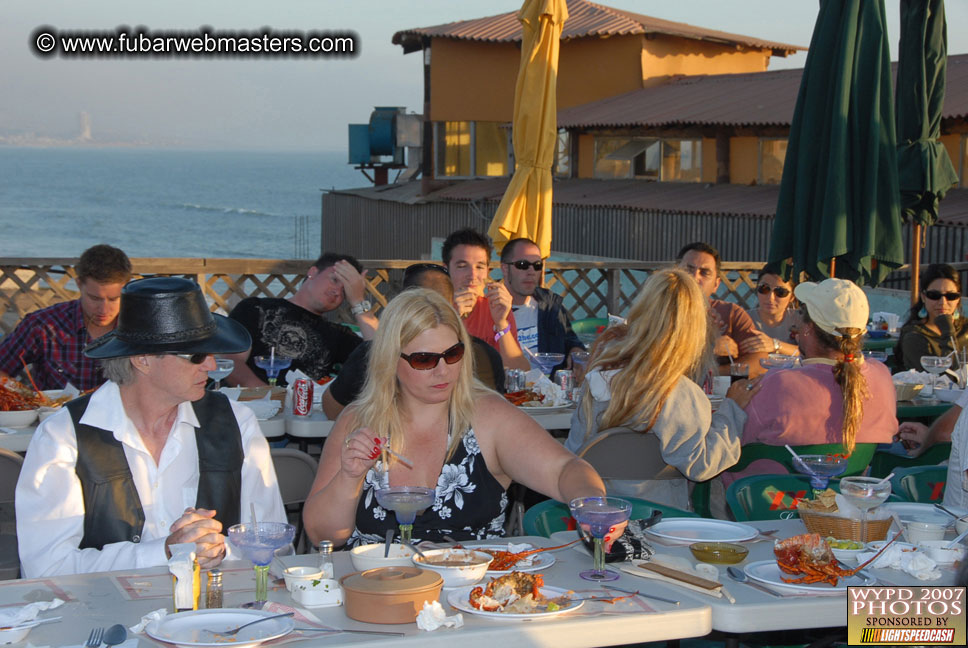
<point>884,463</point>
<point>856,464</point>
<point>550,516</point>
<point>589,325</point>
<point>920,483</point>
<point>767,497</point>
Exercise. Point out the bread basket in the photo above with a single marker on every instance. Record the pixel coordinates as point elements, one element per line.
<point>842,528</point>
<point>907,391</point>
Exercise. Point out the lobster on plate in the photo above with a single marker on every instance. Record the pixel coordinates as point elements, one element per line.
<point>809,557</point>
<point>504,560</point>
<point>506,590</point>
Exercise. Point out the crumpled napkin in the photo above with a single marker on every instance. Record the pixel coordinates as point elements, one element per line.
<point>847,510</point>
<point>915,563</point>
<point>432,616</point>
<point>15,616</point>
<point>914,377</point>
<point>140,626</point>
<point>554,396</point>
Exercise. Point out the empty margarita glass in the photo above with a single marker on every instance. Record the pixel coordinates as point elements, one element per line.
<point>407,502</point>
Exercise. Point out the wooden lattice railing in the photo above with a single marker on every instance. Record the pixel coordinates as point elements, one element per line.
<point>592,289</point>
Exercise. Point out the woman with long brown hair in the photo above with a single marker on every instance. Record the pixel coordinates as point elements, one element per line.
<point>936,325</point>
<point>639,377</point>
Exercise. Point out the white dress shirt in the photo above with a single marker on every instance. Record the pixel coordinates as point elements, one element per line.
<point>50,502</point>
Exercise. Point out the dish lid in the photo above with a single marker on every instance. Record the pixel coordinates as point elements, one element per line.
<point>392,580</point>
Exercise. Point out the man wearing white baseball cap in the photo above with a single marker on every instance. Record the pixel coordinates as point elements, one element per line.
<point>835,397</point>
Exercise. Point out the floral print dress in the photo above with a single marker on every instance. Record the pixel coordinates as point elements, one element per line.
<point>470,503</point>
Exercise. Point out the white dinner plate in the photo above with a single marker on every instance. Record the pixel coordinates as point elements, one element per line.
<point>546,409</point>
<point>190,628</point>
<point>459,599</point>
<point>768,573</point>
<point>689,530</point>
<point>948,395</point>
<point>538,562</point>
<point>915,512</point>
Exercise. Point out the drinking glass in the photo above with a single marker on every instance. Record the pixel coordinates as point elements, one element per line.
<point>272,366</point>
<point>547,361</point>
<point>407,502</point>
<point>258,542</point>
<point>738,371</point>
<point>820,468</point>
<point>935,365</point>
<point>599,514</point>
<point>223,367</point>
<point>865,493</point>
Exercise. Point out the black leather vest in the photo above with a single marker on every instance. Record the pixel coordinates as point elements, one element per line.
<point>113,511</point>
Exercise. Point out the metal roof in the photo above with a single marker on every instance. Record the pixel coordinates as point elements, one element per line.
<point>753,99</point>
<point>669,197</point>
<point>585,19</point>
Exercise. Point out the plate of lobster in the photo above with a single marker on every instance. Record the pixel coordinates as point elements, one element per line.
<point>513,596</point>
<point>506,561</point>
<point>768,572</point>
<point>806,563</point>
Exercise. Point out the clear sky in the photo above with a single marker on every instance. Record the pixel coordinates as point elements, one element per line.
<point>286,103</point>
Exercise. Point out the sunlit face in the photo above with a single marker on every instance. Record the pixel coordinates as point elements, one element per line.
<point>941,306</point>
<point>770,302</point>
<point>430,385</point>
<point>100,302</point>
<point>468,268</point>
<point>325,289</point>
<point>701,266</point>
<point>176,379</point>
<point>521,283</point>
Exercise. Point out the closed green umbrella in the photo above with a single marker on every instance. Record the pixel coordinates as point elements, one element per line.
<point>839,192</point>
<point>925,172</point>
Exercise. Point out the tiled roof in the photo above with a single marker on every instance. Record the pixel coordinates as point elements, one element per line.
<point>754,99</point>
<point>671,197</point>
<point>585,19</point>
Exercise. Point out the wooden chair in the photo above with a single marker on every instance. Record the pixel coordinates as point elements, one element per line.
<point>920,483</point>
<point>295,472</point>
<point>10,464</point>
<point>856,464</point>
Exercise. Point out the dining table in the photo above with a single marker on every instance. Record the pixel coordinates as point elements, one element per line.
<point>106,598</point>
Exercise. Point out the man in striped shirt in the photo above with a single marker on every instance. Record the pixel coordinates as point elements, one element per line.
<point>51,340</point>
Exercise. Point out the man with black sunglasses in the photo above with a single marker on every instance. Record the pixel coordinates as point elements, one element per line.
<point>543,323</point>
<point>151,458</point>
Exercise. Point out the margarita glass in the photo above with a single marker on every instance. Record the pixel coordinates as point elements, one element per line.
<point>865,493</point>
<point>934,365</point>
<point>599,515</point>
<point>407,502</point>
<point>272,365</point>
<point>223,367</point>
<point>547,361</point>
<point>258,542</point>
<point>820,468</point>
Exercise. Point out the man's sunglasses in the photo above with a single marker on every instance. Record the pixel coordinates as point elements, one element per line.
<point>779,291</point>
<point>425,360</point>
<point>523,264</point>
<point>194,358</point>
<point>935,295</point>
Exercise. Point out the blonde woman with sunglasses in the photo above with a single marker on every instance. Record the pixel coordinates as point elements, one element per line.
<point>421,401</point>
<point>774,317</point>
<point>935,325</point>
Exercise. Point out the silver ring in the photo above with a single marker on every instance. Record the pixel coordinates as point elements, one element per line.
<point>346,443</point>
<point>749,386</point>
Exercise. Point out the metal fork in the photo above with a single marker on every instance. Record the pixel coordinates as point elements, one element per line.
<point>94,640</point>
<point>232,633</point>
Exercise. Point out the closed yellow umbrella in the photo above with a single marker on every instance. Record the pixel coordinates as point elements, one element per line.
<point>525,209</point>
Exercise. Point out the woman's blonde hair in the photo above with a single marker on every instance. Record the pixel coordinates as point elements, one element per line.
<point>380,406</point>
<point>664,340</point>
<point>847,374</point>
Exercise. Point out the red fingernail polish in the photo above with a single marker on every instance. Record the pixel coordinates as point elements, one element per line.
<point>611,529</point>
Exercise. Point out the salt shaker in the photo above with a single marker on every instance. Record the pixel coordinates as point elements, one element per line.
<point>326,558</point>
<point>213,598</point>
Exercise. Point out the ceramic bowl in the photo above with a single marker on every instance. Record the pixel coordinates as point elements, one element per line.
<point>918,532</point>
<point>17,418</point>
<point>370,556</point>
<point>13,635</point>
<point>903,546</point>
<point>318,593</point>
<point>458,567</point>
<point>935,550</point>
<point>719,553</point>
<point>294,575</point>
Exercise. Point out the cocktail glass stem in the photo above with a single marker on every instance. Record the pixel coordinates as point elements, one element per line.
<point>261,582</point>
<point>599,558</point>
<point>406,530</point>
<point>819,485</point>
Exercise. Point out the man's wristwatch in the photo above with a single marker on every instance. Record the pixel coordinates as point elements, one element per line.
<point>363,307</point>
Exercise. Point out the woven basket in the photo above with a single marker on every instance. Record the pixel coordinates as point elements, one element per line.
<point>844,528</point>
<point>906,391</point>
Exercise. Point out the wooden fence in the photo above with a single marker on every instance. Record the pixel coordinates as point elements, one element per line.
<point>591,289</point>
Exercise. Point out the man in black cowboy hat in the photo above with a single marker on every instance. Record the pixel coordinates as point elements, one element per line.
<point>151,458</point>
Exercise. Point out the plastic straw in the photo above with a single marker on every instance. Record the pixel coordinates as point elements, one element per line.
<point>882,481</point>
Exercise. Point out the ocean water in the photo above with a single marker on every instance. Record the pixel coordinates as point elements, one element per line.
<point>162,203</point>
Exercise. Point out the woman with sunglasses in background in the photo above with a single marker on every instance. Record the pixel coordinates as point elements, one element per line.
<point>639,377</point>
<point>935,325</point>
<point>421,401</point>
<point>774,317</point>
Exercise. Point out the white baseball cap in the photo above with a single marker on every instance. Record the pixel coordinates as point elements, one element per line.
<point>835,303</point>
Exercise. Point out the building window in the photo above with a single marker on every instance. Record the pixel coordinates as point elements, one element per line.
<point>670,160</point>
<point>467,149</point>
<point>770,162</point>
<point>563,154</point>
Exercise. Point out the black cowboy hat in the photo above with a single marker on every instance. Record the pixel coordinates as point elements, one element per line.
<point>168,315</point>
